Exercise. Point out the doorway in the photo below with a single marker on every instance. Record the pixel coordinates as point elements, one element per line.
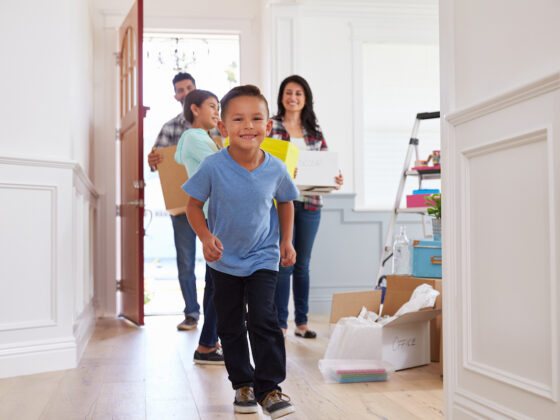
<point>213,60</point>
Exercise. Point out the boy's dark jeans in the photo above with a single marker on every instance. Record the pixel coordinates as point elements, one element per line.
<point>265,335</point>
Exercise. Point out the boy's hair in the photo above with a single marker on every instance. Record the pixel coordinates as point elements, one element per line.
<point>236,92</point>
<point>183,76</point>
<point>196,97</point>
<point>308,118</point>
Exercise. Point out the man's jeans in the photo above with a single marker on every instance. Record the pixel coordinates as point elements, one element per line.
<point>185,244</point>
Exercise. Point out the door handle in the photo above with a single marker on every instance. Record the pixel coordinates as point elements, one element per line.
<point>136,203</point>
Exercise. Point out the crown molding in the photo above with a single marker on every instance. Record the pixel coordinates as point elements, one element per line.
<point>75,167</point>
<point>509,98</point>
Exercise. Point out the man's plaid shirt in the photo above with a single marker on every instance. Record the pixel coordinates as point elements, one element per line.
<point>171,131</point>
<point>314,142</point>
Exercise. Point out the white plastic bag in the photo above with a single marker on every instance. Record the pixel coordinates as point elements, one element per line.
<point>355,338</point>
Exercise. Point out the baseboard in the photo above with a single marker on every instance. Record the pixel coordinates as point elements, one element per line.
<point>48,355</point>
<point>37,357</point>
<point>83,329</point>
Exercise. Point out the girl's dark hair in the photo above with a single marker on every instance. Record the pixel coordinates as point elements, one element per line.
<point>244,90</point>
<point>196,97</point>
<point>308,118</point>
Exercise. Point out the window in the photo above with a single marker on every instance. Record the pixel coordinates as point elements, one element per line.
<point>399,80</point>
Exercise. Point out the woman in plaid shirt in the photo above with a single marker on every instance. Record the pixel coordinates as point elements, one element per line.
<point>296,122</point>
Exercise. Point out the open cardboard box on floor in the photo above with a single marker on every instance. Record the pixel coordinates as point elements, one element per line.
<point>172,176</point>
<point>402,288</point>
<point>406,339</point>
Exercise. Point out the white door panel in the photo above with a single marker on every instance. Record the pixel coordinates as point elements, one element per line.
<point>500,258</point>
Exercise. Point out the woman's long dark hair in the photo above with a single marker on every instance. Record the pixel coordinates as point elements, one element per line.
<point>308,118</point>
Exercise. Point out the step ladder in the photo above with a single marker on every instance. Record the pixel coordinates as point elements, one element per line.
<point>387,251</point>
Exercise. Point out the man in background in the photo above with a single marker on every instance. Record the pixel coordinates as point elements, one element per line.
<point>185,238</point>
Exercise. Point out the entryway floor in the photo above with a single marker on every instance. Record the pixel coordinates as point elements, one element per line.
<point>128,372</point>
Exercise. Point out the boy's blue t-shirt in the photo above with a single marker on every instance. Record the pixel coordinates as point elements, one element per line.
<point>241,212</point>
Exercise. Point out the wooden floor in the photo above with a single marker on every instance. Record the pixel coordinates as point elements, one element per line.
<point>147,373</point>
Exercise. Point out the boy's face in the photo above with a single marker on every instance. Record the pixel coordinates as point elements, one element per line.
<point>245,122</point>
<point>182,89</point>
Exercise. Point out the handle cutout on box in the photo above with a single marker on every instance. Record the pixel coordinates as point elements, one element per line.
<point>436,259</point>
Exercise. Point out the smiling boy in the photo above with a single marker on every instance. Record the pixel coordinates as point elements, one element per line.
<point>241,246</point>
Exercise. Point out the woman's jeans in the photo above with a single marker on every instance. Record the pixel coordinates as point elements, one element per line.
<point>232,296</point>
<point>306,225</point>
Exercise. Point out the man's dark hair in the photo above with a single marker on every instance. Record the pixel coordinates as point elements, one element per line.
<point>308,118</point>
<point>183,76</point>
<point>196,97</point>
<point>244,90</point>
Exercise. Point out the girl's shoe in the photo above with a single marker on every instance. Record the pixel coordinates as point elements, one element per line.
<point>300,332</point>
<point>215,357</point>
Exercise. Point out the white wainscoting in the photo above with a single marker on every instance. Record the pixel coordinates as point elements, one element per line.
<point>47,224</point>
<point>501,291</point>
<point>348,247</point>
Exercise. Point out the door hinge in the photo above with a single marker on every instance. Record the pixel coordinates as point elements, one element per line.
<point>138,184</point>
<point>117,58</point>
<point>119,285</point>
<point>117,134</point>
<point>118,210</point>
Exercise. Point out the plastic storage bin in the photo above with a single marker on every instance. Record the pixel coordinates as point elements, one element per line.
<point>426,259</point>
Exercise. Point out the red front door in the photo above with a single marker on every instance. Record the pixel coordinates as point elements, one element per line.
<point>131,162</point>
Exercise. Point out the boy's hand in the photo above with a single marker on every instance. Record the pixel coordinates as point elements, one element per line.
<point>212,249</point>
<point>154,158</point>
<point>287,254</point>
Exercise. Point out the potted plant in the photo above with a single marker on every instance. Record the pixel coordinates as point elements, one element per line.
<point>434,209</point>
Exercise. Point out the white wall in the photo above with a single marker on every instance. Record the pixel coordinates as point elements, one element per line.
<point>48,214</point>
<point>323,41</point>
<point>488,65</point>
<point>46,85</point>
<point>500,67</point>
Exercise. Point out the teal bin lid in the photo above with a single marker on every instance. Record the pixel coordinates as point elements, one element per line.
<point>428,244</point>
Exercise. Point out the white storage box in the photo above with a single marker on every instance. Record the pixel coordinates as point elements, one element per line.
<point>316,172</point>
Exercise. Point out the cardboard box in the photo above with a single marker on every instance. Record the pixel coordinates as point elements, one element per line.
<point>172,176</point>
<point>406,340</point>
<point>316,169</point>
<point>402,287</point>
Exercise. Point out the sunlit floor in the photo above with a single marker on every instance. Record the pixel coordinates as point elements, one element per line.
<point>162,292</point>
<point>148,373</point>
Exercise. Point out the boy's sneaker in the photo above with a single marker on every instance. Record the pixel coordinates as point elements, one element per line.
<point>189,323</point>
<point>276,405</point>
<point>215,357</point>
<point>245,400</point>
